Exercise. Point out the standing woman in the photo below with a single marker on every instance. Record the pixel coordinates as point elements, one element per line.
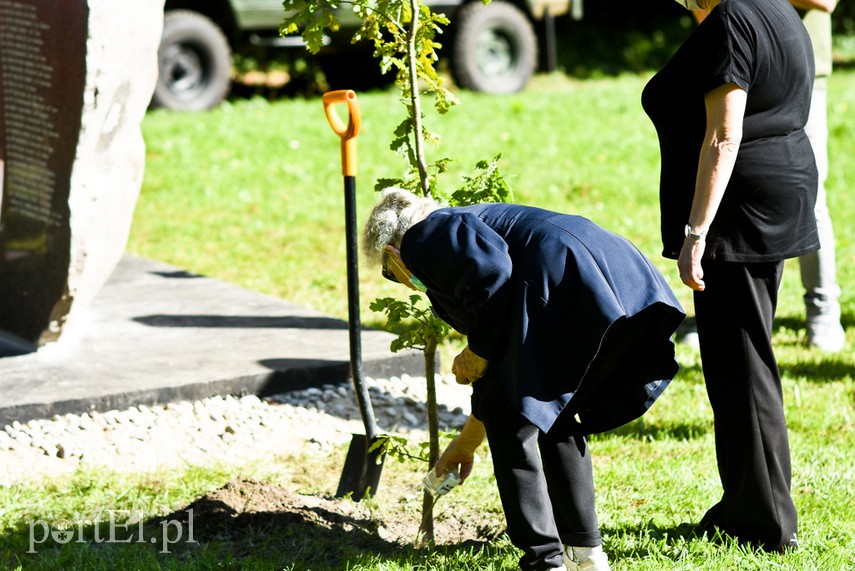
<point>738,185</point>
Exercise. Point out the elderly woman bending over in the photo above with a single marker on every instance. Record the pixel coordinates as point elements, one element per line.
<point>569,330</point>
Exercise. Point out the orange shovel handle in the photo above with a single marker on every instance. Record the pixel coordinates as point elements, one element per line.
<point>347,132</point>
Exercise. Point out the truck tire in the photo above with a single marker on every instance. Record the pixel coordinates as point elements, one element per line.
<point>495,48</point>
<point>194,63</point>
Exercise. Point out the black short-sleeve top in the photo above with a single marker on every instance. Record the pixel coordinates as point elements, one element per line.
<point>767,210</point>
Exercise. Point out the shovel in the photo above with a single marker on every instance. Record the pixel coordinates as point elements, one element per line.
<point>361,473</point>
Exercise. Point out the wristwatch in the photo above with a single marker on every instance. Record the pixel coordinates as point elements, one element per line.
<point>696,236</point>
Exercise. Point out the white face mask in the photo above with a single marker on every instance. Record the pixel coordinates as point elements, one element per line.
<point>689,4</point>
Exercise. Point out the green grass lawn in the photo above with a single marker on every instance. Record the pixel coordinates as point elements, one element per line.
<point>251,193</point>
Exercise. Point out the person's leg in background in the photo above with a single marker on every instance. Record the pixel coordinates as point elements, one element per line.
<point>818,269</point>
<point>734,315</point>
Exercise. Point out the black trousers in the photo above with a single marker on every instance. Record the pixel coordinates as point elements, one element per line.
<point>734,317</point>
<point>545,482</point>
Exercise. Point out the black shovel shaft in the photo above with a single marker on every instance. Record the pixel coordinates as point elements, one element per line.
<point>362,468</point>
<point>353,320</point>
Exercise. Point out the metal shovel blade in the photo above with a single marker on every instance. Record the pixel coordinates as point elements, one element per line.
<point>361,474</point>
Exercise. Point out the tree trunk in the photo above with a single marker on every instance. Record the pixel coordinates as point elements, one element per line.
<point>415,101</point>
<point>426,535</point>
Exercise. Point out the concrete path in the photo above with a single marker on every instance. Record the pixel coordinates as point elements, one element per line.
<point>156,334</point>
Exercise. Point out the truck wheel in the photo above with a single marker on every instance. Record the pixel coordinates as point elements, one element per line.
<point>195,63</point>
<point>495,48</point>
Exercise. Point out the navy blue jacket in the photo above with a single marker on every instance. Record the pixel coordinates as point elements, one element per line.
<point>565,312</point>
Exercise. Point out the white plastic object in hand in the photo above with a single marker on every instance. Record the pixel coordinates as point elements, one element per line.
<point>440,485</point>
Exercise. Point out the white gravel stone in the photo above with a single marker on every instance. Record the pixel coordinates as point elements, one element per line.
<point>21,438</point>
<point>225,429</point>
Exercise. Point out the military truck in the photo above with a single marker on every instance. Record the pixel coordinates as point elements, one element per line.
<point>492,48</point>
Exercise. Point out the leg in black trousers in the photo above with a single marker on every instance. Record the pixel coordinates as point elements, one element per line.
<point>548,497</point>
<point>734,316</point>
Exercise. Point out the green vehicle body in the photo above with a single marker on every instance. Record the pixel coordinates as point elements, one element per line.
<point>492,48</point>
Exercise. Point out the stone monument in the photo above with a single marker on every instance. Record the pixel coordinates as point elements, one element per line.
<point>76,78</point>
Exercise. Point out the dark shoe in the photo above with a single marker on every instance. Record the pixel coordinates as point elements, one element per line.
<point>709,523</point>
<point>789,546</point>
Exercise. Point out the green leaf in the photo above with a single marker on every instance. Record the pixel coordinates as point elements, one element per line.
<point>311,18</point>
<point>487,185</point>
<point>383,183</point>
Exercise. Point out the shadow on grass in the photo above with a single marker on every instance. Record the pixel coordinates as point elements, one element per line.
<point>654,537</point>
<point>311,538</point>
<point>683,431</point>
<point>816,366</point>
<point>830,369</point>
<point>308,539</point>
<point>650,534</point>
<point>822,367</point>
<point>797,322</point>
<point>678,542</point>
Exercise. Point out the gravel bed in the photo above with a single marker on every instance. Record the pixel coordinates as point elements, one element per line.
<point>221,429</point>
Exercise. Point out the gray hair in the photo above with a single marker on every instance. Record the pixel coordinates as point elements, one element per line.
<point>397,211</point>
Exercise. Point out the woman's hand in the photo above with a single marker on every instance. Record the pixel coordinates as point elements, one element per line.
<point>725,107</point>
<point>468,367</point>
<point>689,263</point>
<point>456,457</point>
<point>460,453</point>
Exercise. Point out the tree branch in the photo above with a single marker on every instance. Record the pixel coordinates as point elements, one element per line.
<point>418,139</point>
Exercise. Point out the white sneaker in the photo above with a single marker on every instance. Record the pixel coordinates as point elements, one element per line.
<point>828,336</point>
<point>586,558</point>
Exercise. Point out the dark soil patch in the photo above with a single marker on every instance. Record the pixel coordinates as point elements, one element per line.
<point>248,516</point>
